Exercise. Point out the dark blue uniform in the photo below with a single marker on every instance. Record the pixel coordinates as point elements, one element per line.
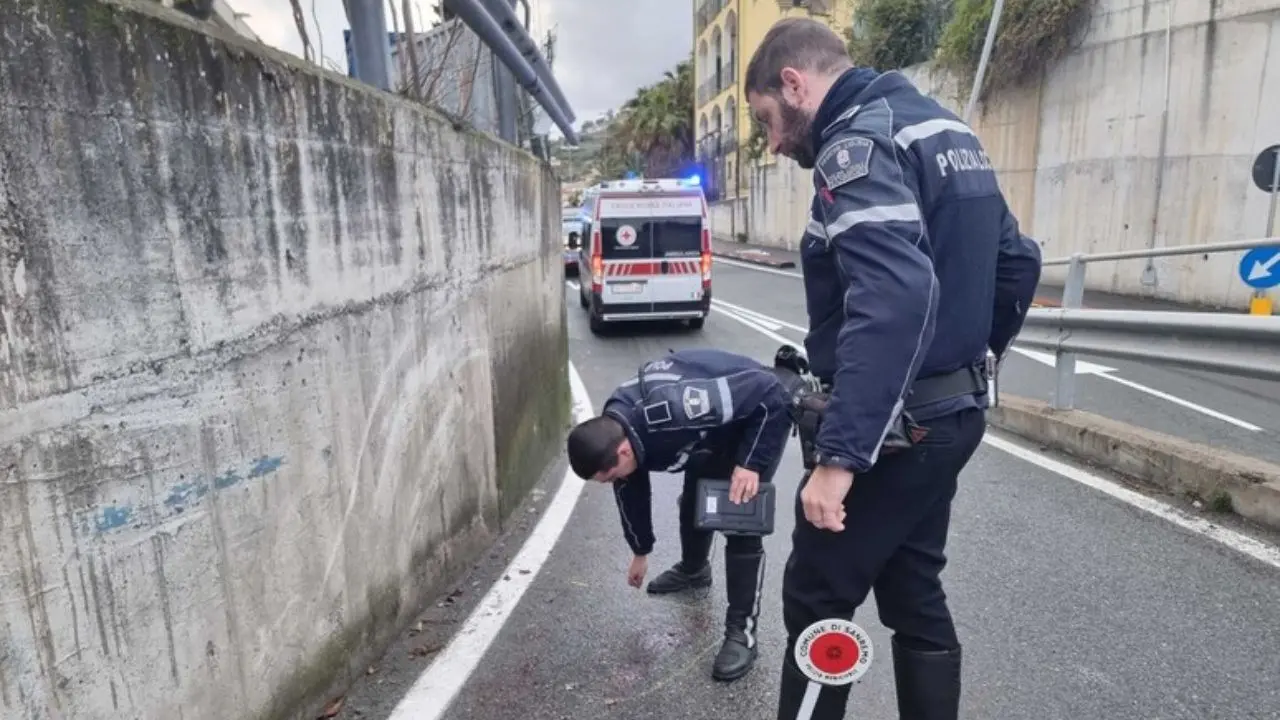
<point>703,412</point>
<point>914,266</point>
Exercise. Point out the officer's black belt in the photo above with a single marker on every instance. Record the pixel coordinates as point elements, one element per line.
<point>970,380</point>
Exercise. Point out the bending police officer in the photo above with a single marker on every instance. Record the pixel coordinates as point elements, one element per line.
<point>913,267</point>
<point>712,414</point>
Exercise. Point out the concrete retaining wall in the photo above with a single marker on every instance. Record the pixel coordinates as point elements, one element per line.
<point>1080,155</point>
<point>256,323</point>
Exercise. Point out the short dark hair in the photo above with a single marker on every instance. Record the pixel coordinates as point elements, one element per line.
<point>593,446</point>
<point>800,43</point>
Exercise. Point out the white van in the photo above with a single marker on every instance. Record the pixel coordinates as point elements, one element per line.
<point>646,253</point>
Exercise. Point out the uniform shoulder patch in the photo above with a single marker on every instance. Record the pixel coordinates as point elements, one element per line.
<point>845,160</point>
<point>697,402</point>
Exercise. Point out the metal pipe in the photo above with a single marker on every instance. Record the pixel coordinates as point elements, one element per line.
<point>1170,251</point>
<point>982,62</point>
<point>1275,192</point>
<point>505,16</point>
<point>369,45</point>
<point>484,25</point>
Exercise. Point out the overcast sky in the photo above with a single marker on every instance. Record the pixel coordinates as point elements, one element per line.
<point>601,56</point>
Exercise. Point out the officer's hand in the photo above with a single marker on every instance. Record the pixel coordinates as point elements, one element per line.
<point>823,497</point>
<point>637,570</point>
<point>744,485</point>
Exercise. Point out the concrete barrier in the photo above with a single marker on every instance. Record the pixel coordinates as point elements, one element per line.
<point>277,354</point>
<point>1219,478</point>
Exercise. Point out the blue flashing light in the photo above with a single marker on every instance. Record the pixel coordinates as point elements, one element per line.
<point>695,180</point>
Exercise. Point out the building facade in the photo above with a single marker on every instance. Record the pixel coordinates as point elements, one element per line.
<point>725,33</point>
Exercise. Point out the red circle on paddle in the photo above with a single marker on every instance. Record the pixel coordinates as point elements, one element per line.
<point>834,652</point>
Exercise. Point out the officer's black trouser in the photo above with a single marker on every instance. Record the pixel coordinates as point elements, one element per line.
<point>896,523</point>
<point>695,545</point>
<point>744,561</point>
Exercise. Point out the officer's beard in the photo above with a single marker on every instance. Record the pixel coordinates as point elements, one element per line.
<point>797,142</point>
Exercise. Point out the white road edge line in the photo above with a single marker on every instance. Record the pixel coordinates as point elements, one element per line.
<point>1236,541</point>
<point>1087,369</point>
<point>1256,549</point>
<point>757,268</point>
<point>1179,401</point>
<point>433,692</point>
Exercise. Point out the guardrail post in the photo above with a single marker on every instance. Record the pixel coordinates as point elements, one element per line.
<point>1064,388</point>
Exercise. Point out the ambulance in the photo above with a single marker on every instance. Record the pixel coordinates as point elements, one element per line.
<point>646,252</point>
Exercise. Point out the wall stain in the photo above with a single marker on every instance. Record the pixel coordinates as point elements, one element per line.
<point>162,586</point>
<point>179,497</point>
<point>97,604</point>
<point>1206,71</point>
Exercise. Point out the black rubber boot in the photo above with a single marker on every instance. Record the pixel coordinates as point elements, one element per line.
<point>928,683</point>
<point>743,574</point>
<point>677,579</point>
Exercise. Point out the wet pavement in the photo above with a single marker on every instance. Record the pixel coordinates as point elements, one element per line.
<point>1237,414</point>
<point>1070,604</point>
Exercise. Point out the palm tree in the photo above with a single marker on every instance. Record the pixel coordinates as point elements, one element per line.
<point>652,133</point>
<point>660,121</point>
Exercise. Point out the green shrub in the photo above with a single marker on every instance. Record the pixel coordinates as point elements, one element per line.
<point>1032,37</point>
<point>891,34</point>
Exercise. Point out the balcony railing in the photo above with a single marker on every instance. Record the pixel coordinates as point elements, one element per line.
<point>706,13</point>
<point>706,91</point>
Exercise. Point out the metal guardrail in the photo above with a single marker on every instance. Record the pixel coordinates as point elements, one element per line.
<point>1242,345</point>
<point>1206,249</point>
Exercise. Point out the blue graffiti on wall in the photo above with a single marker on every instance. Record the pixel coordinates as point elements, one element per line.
<point>180,497</point>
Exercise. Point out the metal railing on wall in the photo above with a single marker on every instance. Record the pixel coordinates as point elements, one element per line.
<point>1234,344</point>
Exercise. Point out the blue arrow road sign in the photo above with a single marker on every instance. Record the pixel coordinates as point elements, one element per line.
<point>1260,267</point>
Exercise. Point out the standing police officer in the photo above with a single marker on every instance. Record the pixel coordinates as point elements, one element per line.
<point>713,414</point>
<point>913,267</point>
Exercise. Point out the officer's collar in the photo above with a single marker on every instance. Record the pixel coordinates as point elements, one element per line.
<point>637,446</point>
<point>851,90</point>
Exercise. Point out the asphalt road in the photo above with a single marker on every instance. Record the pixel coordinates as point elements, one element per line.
<point>1238,414</point>
<point>1070,603</point>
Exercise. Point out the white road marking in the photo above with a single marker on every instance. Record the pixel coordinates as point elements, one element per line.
<point>757,268</point>
<point>1184,403</point>
<point>433,691</point>
<point>1256,549</point>
<point>761,318</point>
<point>1104,372</point>
<point>752,319</point>
<point>1236,541</point>
<point>758,327</point>
<point>1082,367</point>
